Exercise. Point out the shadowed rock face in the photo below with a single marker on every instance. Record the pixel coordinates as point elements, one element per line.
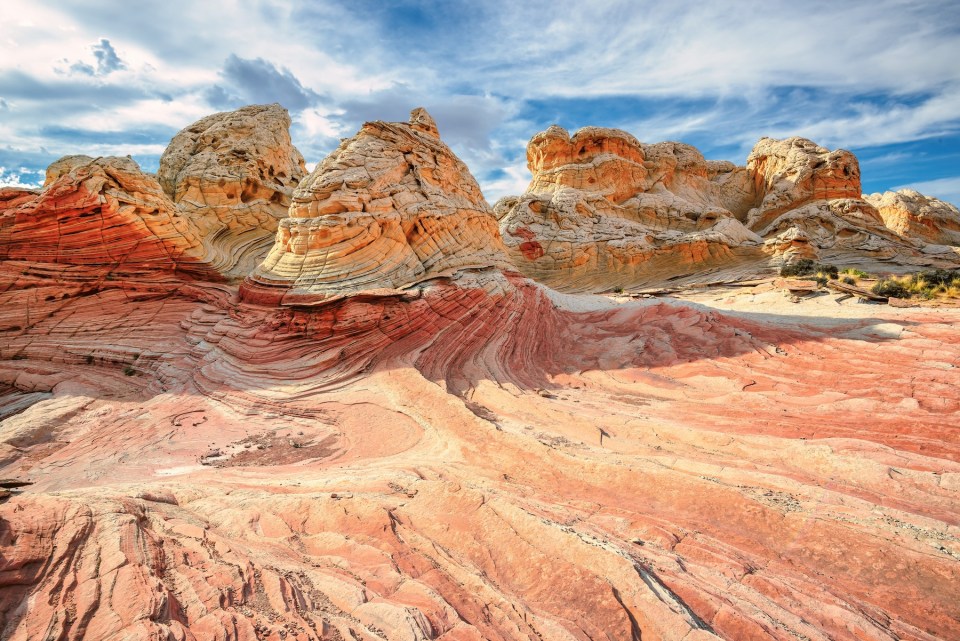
<point>604,211</point>
<point>473,457</point>
<point>390,208</point>
<point>233,174</point>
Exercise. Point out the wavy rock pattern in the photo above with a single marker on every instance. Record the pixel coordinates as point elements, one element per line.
<point>233,174</point>
<point>435,447</point>
<point>102,214</point>
<point>605,211</point>
<point>446,464</point>
<point>911,214</point>
<point>391,207</point>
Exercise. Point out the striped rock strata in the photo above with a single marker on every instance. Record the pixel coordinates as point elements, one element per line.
<point>390,208</point>
<point>911,214</point>
<point>604,211</point>
<point>476,461</point>
<point>233,175</point>
<point>99,215</point>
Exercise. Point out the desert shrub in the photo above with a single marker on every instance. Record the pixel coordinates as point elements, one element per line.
<point>891,288</point>
<point>858,273</point>
<point>806,267</point>
<point>830,271</point>
<point>849,280</point>
<point>935,277</point>
<point>129,371</point>
<point>802,267</point>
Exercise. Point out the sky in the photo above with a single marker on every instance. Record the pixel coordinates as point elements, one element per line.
<point>107,77</point>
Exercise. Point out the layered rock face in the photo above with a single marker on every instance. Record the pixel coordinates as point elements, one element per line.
<point>101,214</point>
<point>233,174</point>
<point>812,207</point>
<point>391,207</point>
<point>913,215</point>
<point>604,211</point>
<point>441,448</point>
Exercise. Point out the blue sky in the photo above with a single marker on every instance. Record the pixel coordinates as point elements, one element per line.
<point>880,78</point>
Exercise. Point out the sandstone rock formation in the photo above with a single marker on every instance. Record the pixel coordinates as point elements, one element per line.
<point>391,207</point>
<point>606,211</point>
<point>814,194</point>
<point>475,457</point>
<point>913,215</point>
<point>233,174</point>
<point>102,214</point>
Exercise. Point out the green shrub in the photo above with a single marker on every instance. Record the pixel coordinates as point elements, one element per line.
<point>802,267</point>
<point>830,271</point>
<point>859,273</point>
<point>891,288</point>
<point>129,371</point>
<point>806,267</point>
<point>935,277</point>
<point>849,281</point>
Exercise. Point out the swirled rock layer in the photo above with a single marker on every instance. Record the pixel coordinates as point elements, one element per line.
<point>390,208</point>
<point>447,463</point>
<point>233,174</point>
<point>99,214</point>
<point>604,211</point>
<point>913,215</point>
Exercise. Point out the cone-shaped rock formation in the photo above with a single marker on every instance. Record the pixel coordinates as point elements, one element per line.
<point>391,207</point>
<point>233,174</point>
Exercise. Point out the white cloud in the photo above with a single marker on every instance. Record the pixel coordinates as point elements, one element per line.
<point>869,73</point>
<point>22,178</point>
<point>947,189</point>
<point>513,182</point>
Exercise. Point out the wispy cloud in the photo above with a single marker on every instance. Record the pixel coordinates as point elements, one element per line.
<point>943,188</point>
<point>493,72</point>
<point>21,177</point>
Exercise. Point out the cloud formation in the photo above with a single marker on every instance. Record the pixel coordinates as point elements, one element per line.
<point>107,59</point>
<point>259,81</point>
<point>879,78</point>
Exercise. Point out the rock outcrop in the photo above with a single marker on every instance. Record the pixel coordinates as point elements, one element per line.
<point>233,174</point>
<point>103,214</point>
<point>388,434</point>
<point>604,211</point>
<point>390,208</point>
<point>811,206</point>
<point>913,215</point>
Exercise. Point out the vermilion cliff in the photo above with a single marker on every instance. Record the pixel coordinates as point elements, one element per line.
<point>390,428</point>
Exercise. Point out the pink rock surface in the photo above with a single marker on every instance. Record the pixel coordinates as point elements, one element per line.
<point>463,490</point>
<point>460,455</point>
